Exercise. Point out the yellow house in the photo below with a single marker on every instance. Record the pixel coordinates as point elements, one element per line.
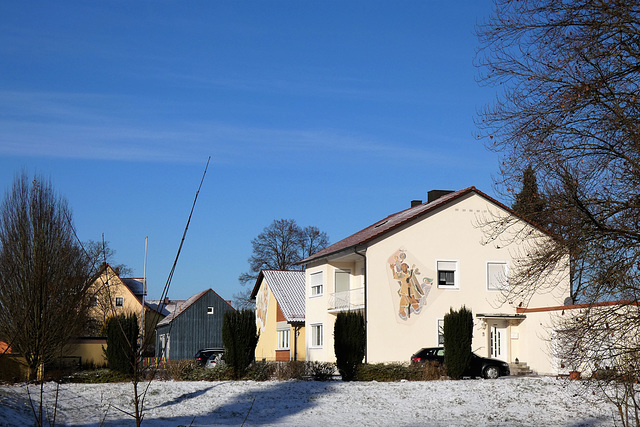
<point>406,271</point>
<point>280,308</point>
<point>110,295</point>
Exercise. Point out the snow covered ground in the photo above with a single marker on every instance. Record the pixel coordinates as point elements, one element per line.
<point>510,401</point>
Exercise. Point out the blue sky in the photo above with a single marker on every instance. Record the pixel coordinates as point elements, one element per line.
<point>332,113</point>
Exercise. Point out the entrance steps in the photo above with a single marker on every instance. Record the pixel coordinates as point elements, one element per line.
<point>520,369</point>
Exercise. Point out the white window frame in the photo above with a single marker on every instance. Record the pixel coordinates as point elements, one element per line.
<point>440,331</point>
<point>448,265</point>
<point>119,302</point>
<point>316,338</point>
<point>316,289</point>
<point>491,277</point>
<point>210,310</point>
<point>283,339</point>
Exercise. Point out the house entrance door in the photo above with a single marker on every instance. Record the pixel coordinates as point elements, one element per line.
<point>498,342</point>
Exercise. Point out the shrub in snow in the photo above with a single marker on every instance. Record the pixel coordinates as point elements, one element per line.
<point>122,342</point>
<point>349,343</point>
<point>458,332</point>
<point>385,372</point>
<point>260,371</point>
<point>320,371</point>
<point>291,370</point>
<point>239,338</point>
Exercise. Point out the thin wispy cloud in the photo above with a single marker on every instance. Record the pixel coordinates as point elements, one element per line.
<point>102,126</point>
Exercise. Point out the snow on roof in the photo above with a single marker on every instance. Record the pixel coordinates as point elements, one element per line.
<point>167,307</point>
<point>181,306</point>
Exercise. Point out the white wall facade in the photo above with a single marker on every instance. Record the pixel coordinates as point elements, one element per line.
<point>395,330</point>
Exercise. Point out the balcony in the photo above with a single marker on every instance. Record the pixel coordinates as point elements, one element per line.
<point>348,300</point>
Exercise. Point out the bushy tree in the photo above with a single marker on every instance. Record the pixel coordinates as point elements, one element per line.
<point>279,247</point>
<point>349,343</point>
<point>458,333</point>
<point>44,274</point>
<point>239,337</point>
<point>122,342</point>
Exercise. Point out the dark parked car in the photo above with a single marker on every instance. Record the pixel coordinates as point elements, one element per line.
<point>479,366</point>
<point>203,355</point>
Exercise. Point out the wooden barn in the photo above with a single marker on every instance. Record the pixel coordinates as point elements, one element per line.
<point>193,325</point>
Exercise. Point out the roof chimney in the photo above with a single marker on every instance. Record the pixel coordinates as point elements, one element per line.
<point>415,203</point>
<point>436,194</point>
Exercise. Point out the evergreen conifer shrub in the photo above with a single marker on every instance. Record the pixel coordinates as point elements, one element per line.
<point>458,332</point>
<point>239,337</point>
<point>349,343</point>
<point>122,342</point>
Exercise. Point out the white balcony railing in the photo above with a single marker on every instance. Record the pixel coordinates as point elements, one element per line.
<point>347,300</point>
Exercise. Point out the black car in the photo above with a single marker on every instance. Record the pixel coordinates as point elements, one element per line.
<point>204,354</point>
<point>479,366</point>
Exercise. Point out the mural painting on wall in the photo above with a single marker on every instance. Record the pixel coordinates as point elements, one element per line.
<point>406,281</point>
<point>262,305</point>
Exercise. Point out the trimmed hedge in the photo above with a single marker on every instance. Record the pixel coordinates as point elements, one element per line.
<point>186,370</point>
<point>386,372</point>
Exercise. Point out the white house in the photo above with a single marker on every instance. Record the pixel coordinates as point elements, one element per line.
<point>408,270</point>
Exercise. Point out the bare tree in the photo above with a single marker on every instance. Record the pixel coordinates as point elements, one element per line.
<point>279,247</point>
<point>101,252</point>
<point>44,273</point>
<point>568,104</point>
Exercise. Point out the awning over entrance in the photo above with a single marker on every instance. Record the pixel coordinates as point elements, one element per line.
<point>501,316</point>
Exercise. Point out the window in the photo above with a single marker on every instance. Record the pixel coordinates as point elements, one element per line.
<point>447,277</point>
<point>316,335</point>
<point>497,276</point>
<point>441,332</point>
<point>316,284</point>
<point>119,301</point>
<point>283,339</point>
<point>209,310</point>
<point>343,277</point>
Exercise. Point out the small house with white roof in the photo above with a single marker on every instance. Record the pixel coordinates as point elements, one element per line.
<point>280,315</point>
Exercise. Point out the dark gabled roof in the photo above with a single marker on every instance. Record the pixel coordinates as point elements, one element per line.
<point>135,285</point>
<point>398,219</point>
<point>182,306</point>
<point>288,289</point>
